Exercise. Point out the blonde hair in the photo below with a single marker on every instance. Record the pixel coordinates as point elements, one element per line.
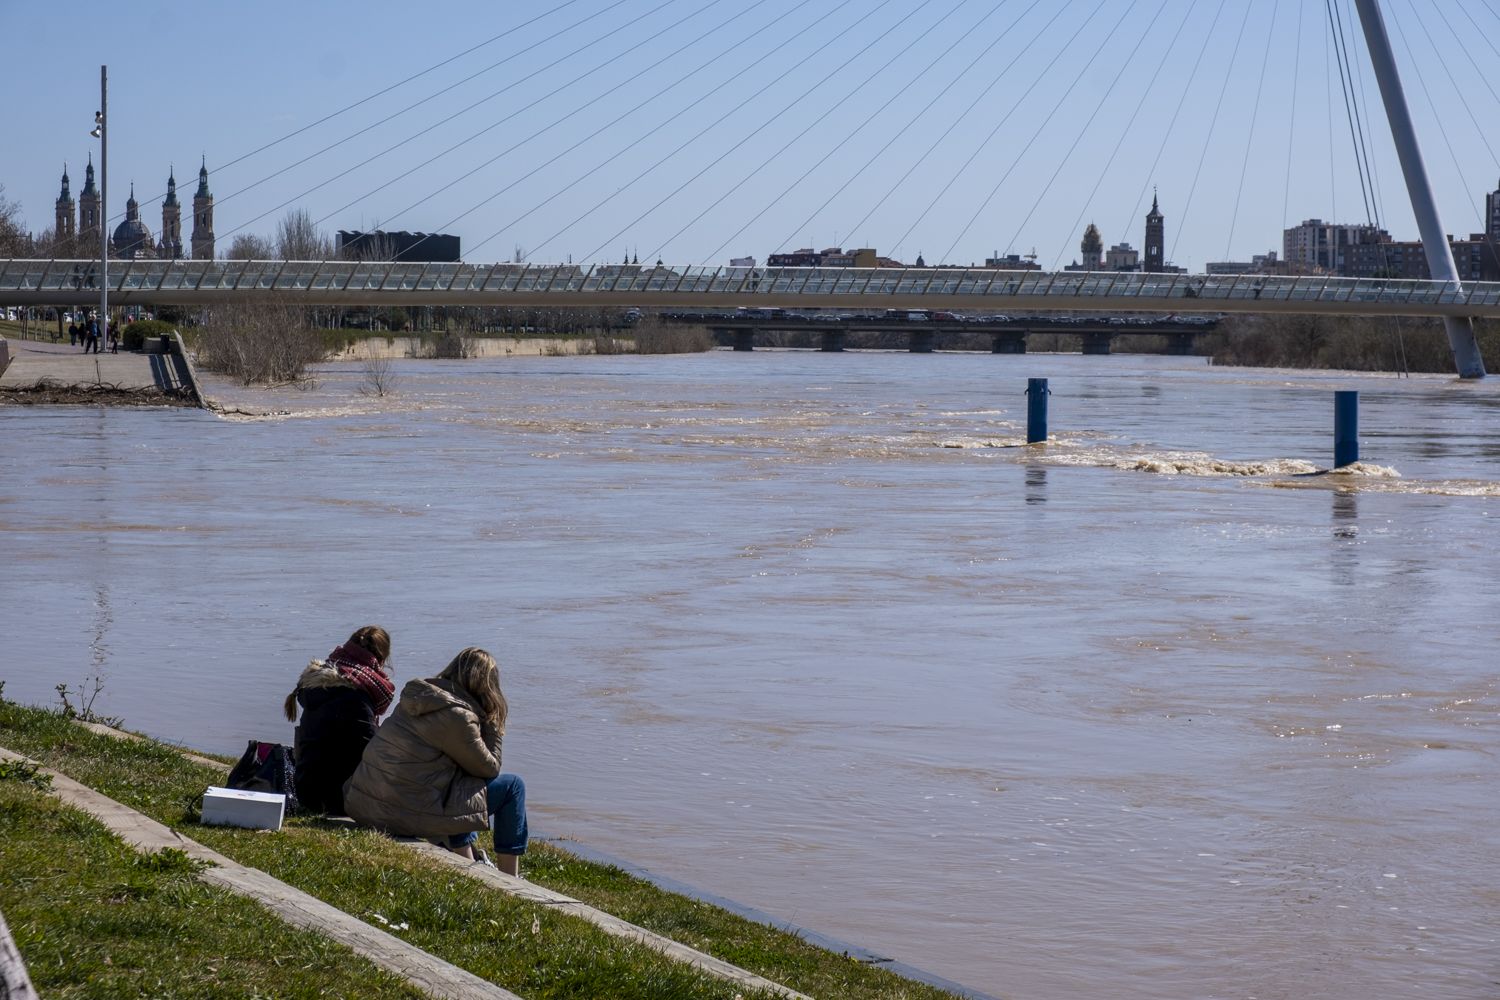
<point>476,672</point>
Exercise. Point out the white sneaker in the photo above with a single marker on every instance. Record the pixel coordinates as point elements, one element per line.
<point>481,858</point>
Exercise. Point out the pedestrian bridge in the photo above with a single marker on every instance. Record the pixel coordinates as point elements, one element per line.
<point>354,283</point>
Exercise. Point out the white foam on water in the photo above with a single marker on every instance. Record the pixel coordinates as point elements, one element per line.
<point>970,443</point>
<point>1183,463</point>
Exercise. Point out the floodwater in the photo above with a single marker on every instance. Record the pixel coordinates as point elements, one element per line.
<point>1139,713</point>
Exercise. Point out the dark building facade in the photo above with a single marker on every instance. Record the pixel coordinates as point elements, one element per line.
<point>420,248</point>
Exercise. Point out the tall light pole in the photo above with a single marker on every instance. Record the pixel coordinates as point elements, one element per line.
<point>1440,263</point>
<point>101,132</point>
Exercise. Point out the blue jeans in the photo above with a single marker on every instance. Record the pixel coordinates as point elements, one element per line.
<point>505,797</point>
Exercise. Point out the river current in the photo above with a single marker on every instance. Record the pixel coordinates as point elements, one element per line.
<point>1144,712</point>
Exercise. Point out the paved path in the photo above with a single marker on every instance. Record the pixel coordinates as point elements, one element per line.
<point>37,361</point>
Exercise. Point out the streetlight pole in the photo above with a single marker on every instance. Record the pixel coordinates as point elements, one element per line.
<point>103,202</point>
<point>1440,263</point>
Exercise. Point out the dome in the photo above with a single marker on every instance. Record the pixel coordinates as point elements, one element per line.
<point>132,238</point>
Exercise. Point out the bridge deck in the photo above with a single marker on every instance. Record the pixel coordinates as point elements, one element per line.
<point>184,282</point>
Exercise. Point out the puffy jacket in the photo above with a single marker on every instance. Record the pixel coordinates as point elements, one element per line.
<point>424,774</point>
<point>337,722</point>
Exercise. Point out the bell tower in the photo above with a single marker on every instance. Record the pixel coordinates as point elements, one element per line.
<point>88,208</point>
<point>171,220</point>
<point>1092,248</point>
<point>203,217</point>
<point>1156,239</point>
<point>64,228</point>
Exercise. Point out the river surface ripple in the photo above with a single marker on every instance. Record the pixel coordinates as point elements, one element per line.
<point>1140,713</point>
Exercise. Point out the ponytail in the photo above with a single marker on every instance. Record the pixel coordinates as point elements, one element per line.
<point>290,706</point>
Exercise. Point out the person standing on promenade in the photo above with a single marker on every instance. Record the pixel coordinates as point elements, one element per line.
<point>114,338</point>
<point>433,770</point>
<point>73,334</point>
<point>342,699</point>
<point>91,342</point>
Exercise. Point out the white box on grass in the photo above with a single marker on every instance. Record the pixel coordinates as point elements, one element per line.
<point>236,807</point>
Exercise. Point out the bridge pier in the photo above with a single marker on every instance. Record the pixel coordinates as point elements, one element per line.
<point>833,341</point>
<point>744,340</point>
<point>1097,343</point>
<point>921,342</point>
<point>1008,342</point>
<point>1179,344</point>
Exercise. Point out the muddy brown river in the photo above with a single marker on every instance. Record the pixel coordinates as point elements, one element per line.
<point>1146,712</point>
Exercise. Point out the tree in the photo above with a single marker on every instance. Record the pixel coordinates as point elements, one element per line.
<point>248,246</point>
<point>14,241</point>
<point>298,238</point>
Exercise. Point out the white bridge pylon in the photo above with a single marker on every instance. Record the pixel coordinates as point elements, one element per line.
<point>67,283</point>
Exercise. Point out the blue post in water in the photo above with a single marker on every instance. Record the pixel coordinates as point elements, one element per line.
<point>1036,410</point>
<point>1345,428</point>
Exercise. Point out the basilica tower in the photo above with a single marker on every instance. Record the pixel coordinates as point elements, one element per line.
<point>89,222</point>
<point>171,221</point>
<point>64,227</point>
<point>203,218</point>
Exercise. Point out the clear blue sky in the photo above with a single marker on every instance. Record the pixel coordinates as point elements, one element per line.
<point>1056,142</point>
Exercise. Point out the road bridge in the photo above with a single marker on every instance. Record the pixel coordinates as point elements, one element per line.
<point>351,283</point>
<point>924,334</point>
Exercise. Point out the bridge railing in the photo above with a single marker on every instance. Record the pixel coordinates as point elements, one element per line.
<point>533,280</point>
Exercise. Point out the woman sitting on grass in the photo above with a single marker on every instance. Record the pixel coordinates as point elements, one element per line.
<point>433,770</point>
<point>342,699</point>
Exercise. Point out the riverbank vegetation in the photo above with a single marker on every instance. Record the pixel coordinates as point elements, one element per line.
<point>524,946</point>
<point>1350,343</point>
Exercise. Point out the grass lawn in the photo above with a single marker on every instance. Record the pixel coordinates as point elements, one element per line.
<point>524,947</point>
<point>93,918</point>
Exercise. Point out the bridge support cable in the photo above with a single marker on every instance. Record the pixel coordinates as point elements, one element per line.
<point>1213,125</point>
<point>1099,106</point>
<point>1124,134</point>
<point>848,136</point>
<point>1372,162</point>
<point>890,141</point>
<point>1260,88</point>
<point>1458,91</point>
<point>658,127</point>
<point>1047,120</point>
<point>1084,22</point>
<point>1346,83</point>
<point>932,147</point>
<point>748,100</point>
<point>1104,96</point>
<point>1140,199</point>
<point>417,135</point>
<point>741,12</point>
<point>1291,120</point>
<point>724,155</point>
<point>379,93</point>
<point>1440,263</point>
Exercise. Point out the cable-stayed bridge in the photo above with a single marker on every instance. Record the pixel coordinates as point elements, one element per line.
<point>349,283</point>
<point>951,118</point>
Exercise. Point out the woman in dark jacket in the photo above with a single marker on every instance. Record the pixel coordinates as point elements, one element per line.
<point>342,699</point>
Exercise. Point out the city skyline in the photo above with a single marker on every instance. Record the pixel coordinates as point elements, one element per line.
<point>802,180</point>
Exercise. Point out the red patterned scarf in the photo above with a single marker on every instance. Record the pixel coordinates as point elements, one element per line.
<point>356,665</point>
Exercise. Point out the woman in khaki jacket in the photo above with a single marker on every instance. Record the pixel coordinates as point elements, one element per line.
<point>433,769</point>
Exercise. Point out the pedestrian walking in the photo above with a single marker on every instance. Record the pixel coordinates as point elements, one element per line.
<point>92,341</point>
<point>73,334</point>
<point>114,338</point>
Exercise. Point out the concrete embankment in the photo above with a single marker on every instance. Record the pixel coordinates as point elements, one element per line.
<point>406,346</point>
<point>41,372</point>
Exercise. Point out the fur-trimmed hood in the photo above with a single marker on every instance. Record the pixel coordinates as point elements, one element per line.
<point>322,674</point>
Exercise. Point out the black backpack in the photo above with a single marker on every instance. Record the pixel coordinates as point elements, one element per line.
<point>266,767</point>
